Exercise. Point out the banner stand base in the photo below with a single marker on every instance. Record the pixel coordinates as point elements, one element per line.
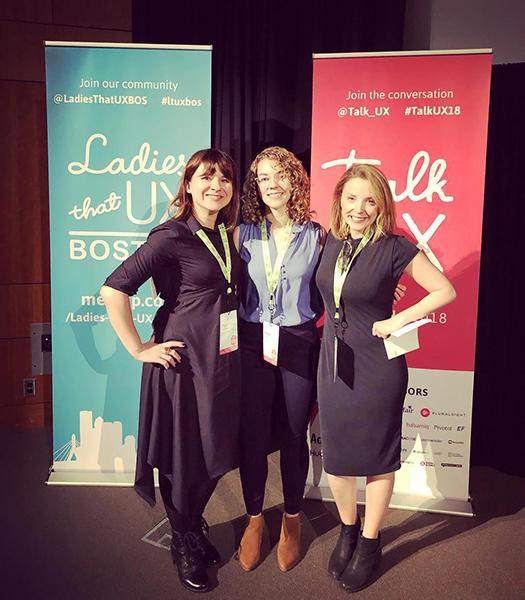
<point>403,501</point>
<point>96,478</point>
<point>91,478</point>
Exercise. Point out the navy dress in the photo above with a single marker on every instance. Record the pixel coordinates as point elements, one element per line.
<point>189,415</point>
<point>361,408</point>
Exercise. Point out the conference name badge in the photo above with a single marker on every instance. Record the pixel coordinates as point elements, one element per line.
<point>228,336</point>
<point>270,342</point>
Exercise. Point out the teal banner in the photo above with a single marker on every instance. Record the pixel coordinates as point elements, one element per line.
<point>122,121</point>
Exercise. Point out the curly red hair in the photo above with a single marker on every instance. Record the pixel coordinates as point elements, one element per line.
<point>298,206</point>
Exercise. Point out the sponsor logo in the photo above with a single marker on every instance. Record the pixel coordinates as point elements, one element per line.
<point>418,425</point>
<point>417,391</point>
<point>427,463</point>
<point>408,409</point>
<point>441,413</point>
<point>424,452</point>
<point>455,442</point>
<point>424,412</point>
<point>442,428</point>
<point>451,465</point>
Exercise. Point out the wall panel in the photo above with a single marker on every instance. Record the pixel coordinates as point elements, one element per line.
<point>24,222</point>
<point>27,10</point>
<point>23,305</point>
<point>24,227</point>
<point>23,51</point>
<point>93,13</point>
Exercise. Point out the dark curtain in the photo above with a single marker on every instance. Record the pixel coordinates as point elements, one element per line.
<point>498,438</point>
<point>262,59</point>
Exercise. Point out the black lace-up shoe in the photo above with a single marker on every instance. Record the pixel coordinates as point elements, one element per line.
<point>187,557</point>
<point>362,568</point>
<point>210,555</point>
<point>344,548</point>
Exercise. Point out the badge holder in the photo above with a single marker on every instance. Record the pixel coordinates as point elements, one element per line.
<point>228,336</point>
<point>271,336</point>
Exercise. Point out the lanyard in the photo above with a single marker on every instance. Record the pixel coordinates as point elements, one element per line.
<point>341,271</point>
<point>272,274</point>
<point>226,268</point>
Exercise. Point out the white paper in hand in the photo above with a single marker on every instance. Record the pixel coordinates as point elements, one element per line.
<point>404,340</point>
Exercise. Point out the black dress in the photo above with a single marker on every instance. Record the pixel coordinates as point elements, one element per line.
<point>361,410</point>
<point>189,415</point>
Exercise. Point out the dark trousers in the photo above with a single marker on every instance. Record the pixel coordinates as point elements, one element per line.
<point>268,390</point>
<point>200,496</point>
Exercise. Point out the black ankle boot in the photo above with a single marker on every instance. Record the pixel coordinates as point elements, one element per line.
<point>187,557</point>
<point>210,555</point>
<point>344,548</point>
<point>362,567</point>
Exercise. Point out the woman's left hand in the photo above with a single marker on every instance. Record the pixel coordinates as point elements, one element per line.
<point>384,329</point>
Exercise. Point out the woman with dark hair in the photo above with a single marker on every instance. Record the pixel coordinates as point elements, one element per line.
<point>190,391</point>
<point>279,246</point>
<point>360,391</point>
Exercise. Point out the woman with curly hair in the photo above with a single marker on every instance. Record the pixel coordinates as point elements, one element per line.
<point>279,246</point>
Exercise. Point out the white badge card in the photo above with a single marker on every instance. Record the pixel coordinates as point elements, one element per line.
<point>270,342</point>
<point>228,336</point>
<point>404,340</point>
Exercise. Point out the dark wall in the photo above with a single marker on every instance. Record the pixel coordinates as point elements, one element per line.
<point>24,226</point>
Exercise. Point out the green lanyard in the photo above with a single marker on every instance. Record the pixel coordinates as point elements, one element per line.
<point>272,274</point>
<point>340,271</point>
<point>226,268</point>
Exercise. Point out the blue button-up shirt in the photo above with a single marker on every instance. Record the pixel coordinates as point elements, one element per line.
<point>297,299</point>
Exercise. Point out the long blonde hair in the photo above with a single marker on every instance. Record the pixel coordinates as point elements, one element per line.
<point>385,222</point>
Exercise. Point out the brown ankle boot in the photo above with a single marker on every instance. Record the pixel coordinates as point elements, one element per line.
<point>249,552</point>
<point>289,548</point>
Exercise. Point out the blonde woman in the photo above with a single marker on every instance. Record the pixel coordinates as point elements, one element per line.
<point>360,391</point>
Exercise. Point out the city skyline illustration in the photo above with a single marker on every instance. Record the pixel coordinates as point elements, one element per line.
<point>99,448</point>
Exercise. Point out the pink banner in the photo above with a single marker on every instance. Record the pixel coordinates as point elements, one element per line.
<point>423,120</point>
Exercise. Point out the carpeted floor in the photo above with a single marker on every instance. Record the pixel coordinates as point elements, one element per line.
<point>87,542</point>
